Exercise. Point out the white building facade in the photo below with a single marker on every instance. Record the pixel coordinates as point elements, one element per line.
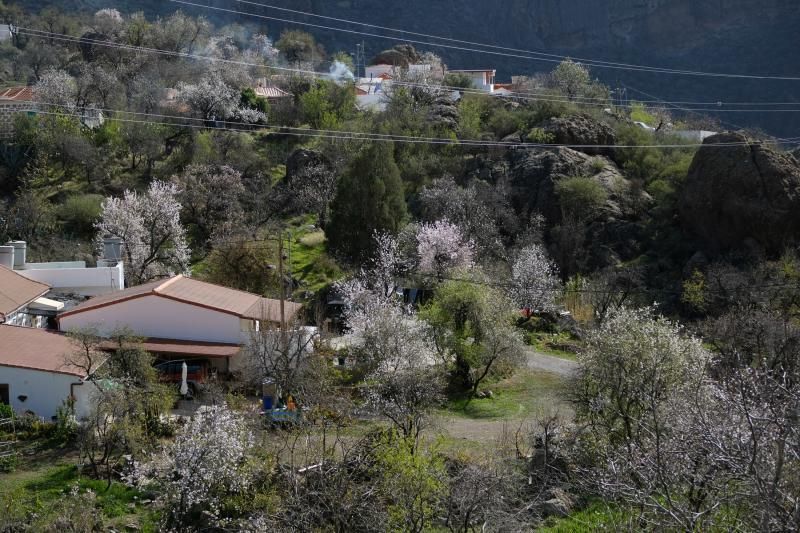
<point>43,392</point>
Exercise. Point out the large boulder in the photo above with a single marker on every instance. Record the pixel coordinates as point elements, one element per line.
<point>592,137</point>
<point>535,173</point>
<point>740,191</point>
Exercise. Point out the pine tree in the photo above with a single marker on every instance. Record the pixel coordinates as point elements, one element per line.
<point>369,198</point>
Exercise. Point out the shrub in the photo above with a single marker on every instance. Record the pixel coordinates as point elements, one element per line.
<point>78,214</point>
<point>580,197</point>
<point>538,135</point>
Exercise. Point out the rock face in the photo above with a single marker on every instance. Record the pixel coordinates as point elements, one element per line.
<point>582,130</point>
<point>736,195</point>
<point>530,177</point>
<point>534,175</point>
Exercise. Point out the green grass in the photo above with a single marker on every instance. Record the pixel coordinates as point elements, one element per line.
<point>310,262</point>
<point>549,344</point>
<point>523,394</point>
<point>599,516</point>
<point>37,489</point>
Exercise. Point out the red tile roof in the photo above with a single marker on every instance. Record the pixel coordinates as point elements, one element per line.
<point>17,291</point>
<point>37,349</point>
<point>205,349</point>
<point>183,348</point>
<point>18,94</point>
<point>199,293</point>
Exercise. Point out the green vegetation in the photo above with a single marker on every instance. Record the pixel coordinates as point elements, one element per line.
<point>311,265</point>
<point>369,199</point>
<point>47,492</point>
<point>517,397</point>
<point>639,114</point>
<point>597,516</point>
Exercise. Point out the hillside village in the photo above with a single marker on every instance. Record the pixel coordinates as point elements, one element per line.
<point>251,284</point>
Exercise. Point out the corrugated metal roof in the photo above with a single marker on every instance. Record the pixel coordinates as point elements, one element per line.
<point>199,293</point>
<point>37,349</point>
<point>18,94</point>
<point>17,291</point>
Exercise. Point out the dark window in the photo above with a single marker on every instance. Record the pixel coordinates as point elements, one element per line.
<point>4,394</point>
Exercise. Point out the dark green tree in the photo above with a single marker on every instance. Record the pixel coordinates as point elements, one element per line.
<point>369,198</point>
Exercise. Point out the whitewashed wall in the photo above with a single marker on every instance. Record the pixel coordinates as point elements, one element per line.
<point>45,391</point>
<point>154,316</point>
<point>76,278</point>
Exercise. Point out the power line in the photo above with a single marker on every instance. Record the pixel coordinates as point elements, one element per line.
<point>535,96</point>
<point>374,137</point>
<point>530,56</point>
<point>496,47</point>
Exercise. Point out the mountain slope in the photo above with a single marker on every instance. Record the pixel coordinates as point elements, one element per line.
<point>736,36</point>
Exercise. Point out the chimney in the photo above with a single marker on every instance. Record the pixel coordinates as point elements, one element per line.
<point>7,256</point>
<point>20,253</point>
<point>112,249</point>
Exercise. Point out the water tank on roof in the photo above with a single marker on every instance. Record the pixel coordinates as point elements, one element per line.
<point>20,253</point>
<point>112,248</point>
<point>7,256</point>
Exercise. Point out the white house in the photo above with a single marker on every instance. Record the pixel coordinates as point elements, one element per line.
<point>22,301</point>
<point>34,375</point>
<point>482,79</point>
<point>182,317</point>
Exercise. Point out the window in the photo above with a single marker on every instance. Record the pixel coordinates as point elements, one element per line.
<point>4,394</point>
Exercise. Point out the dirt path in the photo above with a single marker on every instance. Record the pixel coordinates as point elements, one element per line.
<point>548,363</point>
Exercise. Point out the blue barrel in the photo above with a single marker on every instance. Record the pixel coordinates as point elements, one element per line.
<point>267,403</point>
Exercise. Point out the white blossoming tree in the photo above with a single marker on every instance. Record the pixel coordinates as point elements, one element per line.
<point>154,242</point>
<point>203,465</point>
<point>442,247</point>
<point>213,98</point>
<point>535,283</point>
<point>392,343</point>
<point>56,89</point>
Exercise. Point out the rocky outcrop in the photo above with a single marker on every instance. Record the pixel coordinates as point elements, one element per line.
<point>739,194</point>
<point>612,234</point>
<point>534,174</point>
<point>582,131</point>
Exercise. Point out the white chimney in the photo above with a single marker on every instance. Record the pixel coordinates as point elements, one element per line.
<point>20,253</point>
<point>112,248</point>
<point>7,256</point>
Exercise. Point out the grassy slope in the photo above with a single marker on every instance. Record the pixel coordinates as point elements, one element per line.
<point>311,265</point>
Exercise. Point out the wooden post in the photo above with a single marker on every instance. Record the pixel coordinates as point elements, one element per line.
<point>282,282</point>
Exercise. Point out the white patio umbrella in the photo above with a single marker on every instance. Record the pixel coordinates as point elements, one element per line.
<point>184,376</point>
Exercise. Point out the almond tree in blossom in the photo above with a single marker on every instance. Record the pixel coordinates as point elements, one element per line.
<point>212,98</point>
<point>154,242</point>
<point>441,247</point>
<point>535,283</point>
<point>201,467</point>
<point>392,344</point>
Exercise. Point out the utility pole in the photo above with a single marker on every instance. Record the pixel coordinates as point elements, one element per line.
<point>282,282</point>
